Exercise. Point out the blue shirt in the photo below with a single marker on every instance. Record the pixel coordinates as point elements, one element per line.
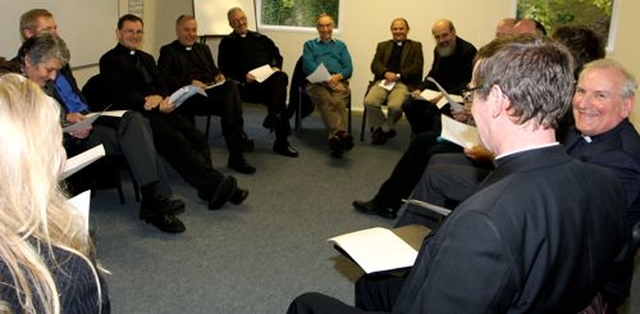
<point>69,97</point>
<point>333,54</point>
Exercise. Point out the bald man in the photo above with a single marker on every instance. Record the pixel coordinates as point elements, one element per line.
<point>505,26</point>
<point>452,66</point>
<point>529,26</point>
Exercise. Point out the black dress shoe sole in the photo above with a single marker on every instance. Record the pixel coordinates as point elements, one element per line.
<point>239,196</point>
<point>167,223</point>
<point>223,192</point>
<point>385,213</point>
<point>245,168</point>
<point>287,151</point>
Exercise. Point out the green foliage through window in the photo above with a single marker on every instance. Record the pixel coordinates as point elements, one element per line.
<point>595,14</point>
<point>296,13</point>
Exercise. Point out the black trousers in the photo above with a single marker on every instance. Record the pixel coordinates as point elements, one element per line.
<point>273,94</point>
<point>409,169</point>
<point>423,116</point>
<point>375,293</point>
<point>223,101</point>
<point>187,150</point>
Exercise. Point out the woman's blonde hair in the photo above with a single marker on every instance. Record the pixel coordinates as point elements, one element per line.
<point>34,214</point>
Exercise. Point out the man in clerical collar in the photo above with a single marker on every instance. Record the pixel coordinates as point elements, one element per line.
<point>242,52</point>
<point>397,69</point>
<point>185,61</point>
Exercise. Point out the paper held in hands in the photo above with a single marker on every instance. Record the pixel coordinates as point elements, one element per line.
<point>182,94</point>
<point>321,74</point>
<point>90,118</point>
<point>379,249</point>
<point>262,73</point>
<point>459,133</point>
<point>77,162</point>
<point>81,203</point>
<point>455,106</point>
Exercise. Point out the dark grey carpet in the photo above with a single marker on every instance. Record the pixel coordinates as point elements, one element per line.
<point>253,258</point>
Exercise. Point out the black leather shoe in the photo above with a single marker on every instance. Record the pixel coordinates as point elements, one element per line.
<point>337,146</point>
<point>161,205</point>
<point>223,193</point>
<point>378,137</point>
<point>370,208</point>
<point>239,164</point>
<point>238,196</point>
<point>284,148</point>
<point>167,223</point>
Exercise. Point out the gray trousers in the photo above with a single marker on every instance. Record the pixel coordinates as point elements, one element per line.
<point>448,177</point>
<point>377,97</point>
<point>131,137</point>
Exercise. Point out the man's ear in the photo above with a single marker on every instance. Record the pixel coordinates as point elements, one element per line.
<point>497,101</point>
<point>28,33</point>
<point>627,106</point>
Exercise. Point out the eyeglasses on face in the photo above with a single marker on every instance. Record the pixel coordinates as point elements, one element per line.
<point>467,93</point>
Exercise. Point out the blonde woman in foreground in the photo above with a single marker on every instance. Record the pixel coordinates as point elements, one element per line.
<point>46,263</point>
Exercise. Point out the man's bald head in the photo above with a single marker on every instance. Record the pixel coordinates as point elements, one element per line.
<point>505,26</point>
<point>529,26</point>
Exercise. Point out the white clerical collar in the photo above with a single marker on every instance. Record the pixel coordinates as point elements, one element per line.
<point>132,52</point>
<point>526,149</point>
<point>188,48</point>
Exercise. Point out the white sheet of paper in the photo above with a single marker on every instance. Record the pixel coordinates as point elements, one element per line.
<point>262,73</point>
<point>377,249</point>
<point>81,202</point>
<point>435,208</point>
<point>77,162</point>
<point>455,106</point>
<point>459,133</point>
<point>114,113</point>
<point>321,74</point>
<point>388,86</point>
<point>81,125</point>
<point>429,94</point>
<point>443,101</point>
<point>215,84</point>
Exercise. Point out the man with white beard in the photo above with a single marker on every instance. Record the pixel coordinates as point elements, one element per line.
<point>451,68</point>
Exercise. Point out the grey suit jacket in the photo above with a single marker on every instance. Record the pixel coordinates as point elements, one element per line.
<point>411,62</point>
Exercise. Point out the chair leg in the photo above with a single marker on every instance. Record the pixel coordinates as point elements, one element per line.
<point>364,124</point>
<point>298,115</point>
<point>206,129</point>
<point>136,189</point>
<point>120,193</point>
<point>349,116</point>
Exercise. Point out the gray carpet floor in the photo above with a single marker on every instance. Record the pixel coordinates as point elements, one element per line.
<point>256,257</point>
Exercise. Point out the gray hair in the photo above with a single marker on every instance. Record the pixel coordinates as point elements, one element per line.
<point>44,47</point>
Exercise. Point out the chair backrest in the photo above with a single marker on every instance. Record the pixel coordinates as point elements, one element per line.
<point>297,94</point>
<point>94,93</point>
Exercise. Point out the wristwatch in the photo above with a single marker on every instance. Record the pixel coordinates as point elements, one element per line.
<point>398,75</point>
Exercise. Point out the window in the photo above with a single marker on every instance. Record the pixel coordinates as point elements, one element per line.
<point>595,14</point>
<point>295,14</point>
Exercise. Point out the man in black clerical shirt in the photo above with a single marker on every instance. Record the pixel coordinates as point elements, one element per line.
<point>243,51</point>
<point>184,62</point>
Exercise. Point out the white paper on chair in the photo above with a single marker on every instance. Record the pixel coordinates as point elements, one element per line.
<point>262,73</point>
<point>387,84</point>
<point>81,203</point>
<point>459,133</point>
<point>77,162</point>
<point>321,74</point>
